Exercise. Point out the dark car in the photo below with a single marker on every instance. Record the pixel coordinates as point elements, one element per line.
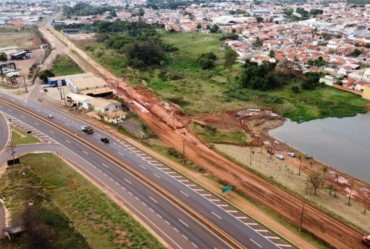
<point>366,240</point>
<point>105,140</point>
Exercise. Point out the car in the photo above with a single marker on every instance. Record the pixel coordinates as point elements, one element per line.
<point>105,140</point>
<point>281,157</point>
<point>307,156</point>
<point>366,240</point>
<point>13,74</point>
<point>50,116</point>
<point>291,154</point>
<point>270,151</point>
<point>87,129</point>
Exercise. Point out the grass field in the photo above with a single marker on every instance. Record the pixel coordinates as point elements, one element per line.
<point>20,136</point>
<point>199,91</point>
<point>59,191</point>
<point>63,65</point>
<point>237,136</point>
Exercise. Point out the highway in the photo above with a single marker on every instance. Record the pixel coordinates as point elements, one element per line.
<point>170,222</point>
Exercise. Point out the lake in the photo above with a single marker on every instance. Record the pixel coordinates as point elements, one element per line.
<point>343,144</point>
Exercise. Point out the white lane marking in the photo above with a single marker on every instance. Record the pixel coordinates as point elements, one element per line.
<point>105,165</point>
<point>185,237</point>
<point>184,193</point>
<point>241,217</point>
<point>151,210</point>
<point>153,199</point>
<point>260,230</point>
<point>283,245</point>
<point>271,237</point>
<point>85,152</point>
<point>127,181</point>
<point>130,193</point>
<point>194,245</point>
<point>156,175</point>
<point>159,216</point>
<point>116,183</point>
<point>105,175</point>
<point>37,124</point>
<point>142,166</point>
<point>68,141</point>
<point>52,132</point>
<point>143,203</point>
<point>167,222</point>
<point>120,153</point>
<point>232,211</point>
<point>174,228</point>
<point>177,176</point>
<point>137,198</point>
<point>251,223</point>
<point>216,215</point>
<point>123,188</point>
<point>184,223</point>
<point>66,124</point>
<point>206,195</point>
<point>191,185</point>
<point>111,179</point>
<point>256,243</point>
<point>23,116</point>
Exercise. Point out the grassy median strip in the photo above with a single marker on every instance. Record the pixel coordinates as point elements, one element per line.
<point>46,181</point>
<point>20,136</point>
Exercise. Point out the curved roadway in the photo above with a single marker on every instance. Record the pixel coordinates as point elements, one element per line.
<point>176,227</point>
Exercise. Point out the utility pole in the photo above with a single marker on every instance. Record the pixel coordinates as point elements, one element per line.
<point>300,163</point>
<point>25,85</point>
<point>183,148</point>
<point>302,213</point>
<point>250,156</point>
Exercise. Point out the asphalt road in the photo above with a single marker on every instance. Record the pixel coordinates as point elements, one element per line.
<point>171,223</point>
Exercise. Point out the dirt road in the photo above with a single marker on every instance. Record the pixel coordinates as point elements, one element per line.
<point>169,126</point>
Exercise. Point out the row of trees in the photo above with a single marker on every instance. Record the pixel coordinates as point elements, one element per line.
<point>84,9</point>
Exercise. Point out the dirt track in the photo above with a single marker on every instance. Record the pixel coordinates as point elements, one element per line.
<point>168,127</point>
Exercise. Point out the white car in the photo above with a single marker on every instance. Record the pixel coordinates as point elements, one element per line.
<point>13,74</point>
<point>281,157</point>
<point>291,154</point>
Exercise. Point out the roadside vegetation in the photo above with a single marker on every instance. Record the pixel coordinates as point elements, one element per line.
<point>63,65</point>
<point>71,211</point>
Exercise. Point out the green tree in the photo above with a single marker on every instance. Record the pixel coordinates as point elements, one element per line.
<point>3,57</point>
<point>311,81</point>
<point>315,179</point>
<point>140,12</point>
<point>230,58</point>
<point>215,28</point>
<point>356,52</point>
<point>259,19</point>
<point>272,54</point>
<point>258,42</point>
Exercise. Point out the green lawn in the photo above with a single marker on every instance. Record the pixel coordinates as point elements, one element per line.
<point>198,91</point>
<point>20,136</point>
<point>63,65</point>
<point>59,191</point>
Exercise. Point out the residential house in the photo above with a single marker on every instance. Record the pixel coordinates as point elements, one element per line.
<point>328,80</point>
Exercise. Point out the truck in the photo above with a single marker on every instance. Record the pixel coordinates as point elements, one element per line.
<point>87,129</point>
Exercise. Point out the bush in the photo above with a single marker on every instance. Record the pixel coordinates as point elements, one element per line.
<point>43,75</point>
<point>3,57</point>
<point>295,89</point>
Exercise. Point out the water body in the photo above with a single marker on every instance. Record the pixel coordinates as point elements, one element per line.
<point>343,144</point>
